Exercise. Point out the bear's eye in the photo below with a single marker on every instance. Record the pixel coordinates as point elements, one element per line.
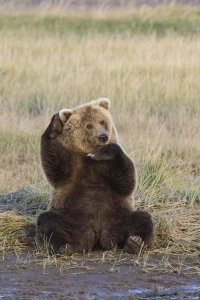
<point>102,123</point>
<point>89,126</point>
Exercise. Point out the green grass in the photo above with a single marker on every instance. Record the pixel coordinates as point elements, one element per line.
<point>179,21</point>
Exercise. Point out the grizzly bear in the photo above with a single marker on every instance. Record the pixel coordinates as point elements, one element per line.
<point>93,180</point>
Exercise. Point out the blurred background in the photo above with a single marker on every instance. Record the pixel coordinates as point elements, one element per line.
<point>143,55</point>
<point>108,4</point>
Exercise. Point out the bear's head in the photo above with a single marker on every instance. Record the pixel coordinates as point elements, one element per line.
<point>88,126</point>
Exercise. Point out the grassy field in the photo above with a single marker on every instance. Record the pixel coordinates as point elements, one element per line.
<point>147,62</point>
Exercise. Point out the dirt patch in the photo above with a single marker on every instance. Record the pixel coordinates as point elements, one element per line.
<point>96,276</point>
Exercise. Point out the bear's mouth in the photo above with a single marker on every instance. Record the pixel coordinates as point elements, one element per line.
<point>100,144</point>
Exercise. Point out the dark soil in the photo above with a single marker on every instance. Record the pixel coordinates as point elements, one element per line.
<point>82,277</point>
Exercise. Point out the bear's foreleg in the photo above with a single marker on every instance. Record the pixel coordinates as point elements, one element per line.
<point>116,167</point>
<point>54,157</point>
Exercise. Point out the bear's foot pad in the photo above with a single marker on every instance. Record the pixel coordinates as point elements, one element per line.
<point>134,244</point>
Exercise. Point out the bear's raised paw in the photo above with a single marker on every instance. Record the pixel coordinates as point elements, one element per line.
<point>55,127</point>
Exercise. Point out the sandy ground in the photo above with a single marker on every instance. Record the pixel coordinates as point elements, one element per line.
<point>30,277</point>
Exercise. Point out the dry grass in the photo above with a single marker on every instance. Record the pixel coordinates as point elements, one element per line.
<point>153,83</point>
<point>14,230</point>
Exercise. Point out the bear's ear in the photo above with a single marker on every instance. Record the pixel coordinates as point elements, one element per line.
<point>64,114</point>
<point>104,102</point>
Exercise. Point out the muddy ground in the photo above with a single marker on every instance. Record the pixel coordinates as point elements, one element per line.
<point>97,276</point>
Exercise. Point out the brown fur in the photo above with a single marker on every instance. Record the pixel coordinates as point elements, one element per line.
<point>93,181</point>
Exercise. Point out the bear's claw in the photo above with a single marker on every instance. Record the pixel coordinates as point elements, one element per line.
<point>91,155</point>
<point>106,152</point>
<point>134,244</point>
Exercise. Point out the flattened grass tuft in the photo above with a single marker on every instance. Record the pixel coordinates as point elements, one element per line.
<point>162,232</point>
<point>27,201</point>
<point>16,230</point>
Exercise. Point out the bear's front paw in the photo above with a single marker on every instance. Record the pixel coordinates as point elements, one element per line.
<point>106,152</point>
<point>134,244</point>
<point>55,127</point>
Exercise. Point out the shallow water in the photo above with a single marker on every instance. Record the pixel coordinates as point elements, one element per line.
<point>27,278</point>
<point>190,292</point>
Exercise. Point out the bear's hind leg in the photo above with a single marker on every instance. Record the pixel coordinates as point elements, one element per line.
<point>50,231</point>
<point>140,232</point>
<point>108,240</point>
<point>60,234</point>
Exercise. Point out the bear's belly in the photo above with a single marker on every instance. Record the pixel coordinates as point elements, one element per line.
<point>93,209</point>
<point>91,202</point>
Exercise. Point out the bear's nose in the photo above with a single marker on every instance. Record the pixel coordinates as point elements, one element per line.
<point>103,137</point>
